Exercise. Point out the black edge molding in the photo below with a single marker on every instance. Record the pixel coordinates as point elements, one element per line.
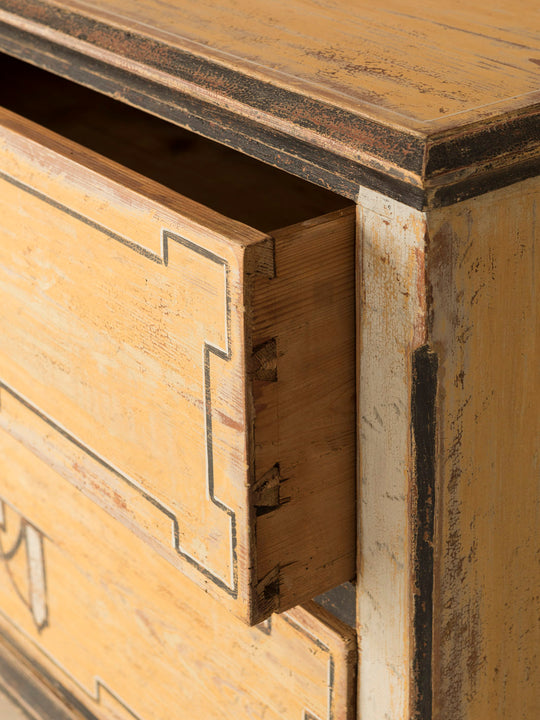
<point>480,183</point>
<point>372,154</point>
<point>423,400</point>
<point>509,137</point>
<point>318,165</point>
<point>28,684</point>
<point>398,147</point>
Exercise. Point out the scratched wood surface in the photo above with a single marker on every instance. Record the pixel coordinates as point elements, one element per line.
<point>419,64</point>
<point>177,367</point>
<point>391,328</point>
<point>426,102</point>
<point>484,268</point>
<point>448,494</point>
<point>98,613</point>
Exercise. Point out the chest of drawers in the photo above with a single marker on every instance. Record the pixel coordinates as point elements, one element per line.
<point>226,390</point>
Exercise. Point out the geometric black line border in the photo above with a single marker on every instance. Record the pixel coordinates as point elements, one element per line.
<point>226,355</point>
<point>209,350</point>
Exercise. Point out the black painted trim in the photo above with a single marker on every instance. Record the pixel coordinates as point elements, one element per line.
<point>510,136</point>
<point>298,157</point>
<point>423,399</point>
<point>400,147</point>
<point>479,184</point>
<point>27,684</point>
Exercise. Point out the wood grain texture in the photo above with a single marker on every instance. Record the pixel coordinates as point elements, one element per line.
<point>392,316</point>
<point>484,269</point>
<point>125,640</point>
<point>417,64</point>
<point>178,368</point>
<point>448,561</point>
<point>305,421</point>
<point>425,103</point>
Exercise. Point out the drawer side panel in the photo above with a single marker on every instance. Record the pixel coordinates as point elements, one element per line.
<point>305,447</point>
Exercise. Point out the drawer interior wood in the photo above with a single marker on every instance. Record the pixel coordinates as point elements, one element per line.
<point>220,178</point>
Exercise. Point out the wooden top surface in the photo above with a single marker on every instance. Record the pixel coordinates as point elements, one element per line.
<point>400,88</point>
<point>420,65</point>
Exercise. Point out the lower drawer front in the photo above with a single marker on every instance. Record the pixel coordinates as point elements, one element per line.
<point>96,609</point>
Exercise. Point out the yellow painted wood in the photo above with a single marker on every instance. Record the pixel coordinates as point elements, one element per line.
<point>425,66</point>
<point>484,268</point>
<point>130,640</point>
<point>177,366</point>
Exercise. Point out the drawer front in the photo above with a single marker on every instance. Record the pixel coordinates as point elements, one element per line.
<point>178,368</point>
<point>95,610</point>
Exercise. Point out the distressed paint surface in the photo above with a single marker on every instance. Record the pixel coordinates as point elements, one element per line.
<point>129,641</point>
<point>391,327</point>
<point>142,357</point>
<point>419,65</point>
<point>297,115</point>
<point>458,637</point>
<point>484,268</point>
<point>407,101</point>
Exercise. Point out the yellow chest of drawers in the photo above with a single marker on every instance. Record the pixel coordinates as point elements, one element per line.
<point>180,357</point>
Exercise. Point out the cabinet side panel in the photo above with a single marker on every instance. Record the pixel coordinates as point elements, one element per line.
<point>485,273</point>
<point>391,314</point>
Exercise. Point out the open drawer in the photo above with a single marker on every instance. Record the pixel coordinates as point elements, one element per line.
<point>190,373</point>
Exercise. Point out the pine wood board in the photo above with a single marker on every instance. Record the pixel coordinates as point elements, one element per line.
<point>96,613</point>
<point>176,366</point>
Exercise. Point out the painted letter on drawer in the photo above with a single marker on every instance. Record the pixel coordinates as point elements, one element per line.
<point>93,607</point>
<point>193,376</point>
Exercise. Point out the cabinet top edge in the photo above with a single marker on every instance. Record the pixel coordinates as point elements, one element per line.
<point>299,116</point>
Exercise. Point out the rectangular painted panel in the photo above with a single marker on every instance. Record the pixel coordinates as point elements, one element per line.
<point>193,376</point>
<point>96,611</point>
